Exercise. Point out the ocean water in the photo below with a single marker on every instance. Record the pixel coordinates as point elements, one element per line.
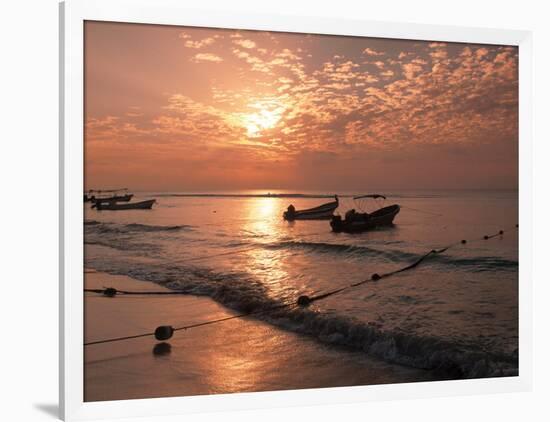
<point>456,313</point>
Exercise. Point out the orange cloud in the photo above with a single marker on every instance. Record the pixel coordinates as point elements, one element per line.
<point>199,43</point>
<point>206,57</point>
<point>280,99</point>
<point>245,43</point>
<point>370,52</point>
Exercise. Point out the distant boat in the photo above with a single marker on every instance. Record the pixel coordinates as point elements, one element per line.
<point>355,222</point>
<point>115,206</point>
<point>322,212</point>
<point>116,198</point>
<point>117,195</point>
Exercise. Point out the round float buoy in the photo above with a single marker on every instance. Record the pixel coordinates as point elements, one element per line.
<point>501,232</point>
<point>486,237</point>
<point>463,241</point>
<point>110,292</point>
<point>164,332</point>
<point>375,277</point>
<point>517,225</point>
<point>303,300</point>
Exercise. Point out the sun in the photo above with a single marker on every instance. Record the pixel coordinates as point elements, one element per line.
<point>267,117</point>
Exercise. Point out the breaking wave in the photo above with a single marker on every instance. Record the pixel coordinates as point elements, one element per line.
<point>107,234</point>
<point>93,226</point>
<point>242,293</point>
<point>480,263</point>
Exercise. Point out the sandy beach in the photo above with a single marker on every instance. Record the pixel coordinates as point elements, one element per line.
<point>240,355</point>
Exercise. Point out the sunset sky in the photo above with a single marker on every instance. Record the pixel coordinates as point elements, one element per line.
<point>189,109</point>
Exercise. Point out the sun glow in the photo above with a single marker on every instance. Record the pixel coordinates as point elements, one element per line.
<point>267,117</point>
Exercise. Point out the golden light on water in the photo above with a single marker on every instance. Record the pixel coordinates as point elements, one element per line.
<point>266,207</point>
<point>267,264</point>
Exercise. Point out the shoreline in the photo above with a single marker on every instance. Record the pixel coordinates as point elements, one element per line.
<point>239,355</point>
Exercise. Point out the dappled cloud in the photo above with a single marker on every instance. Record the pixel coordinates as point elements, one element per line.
<point>297,111</point>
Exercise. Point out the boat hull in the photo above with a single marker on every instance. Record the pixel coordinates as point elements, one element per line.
<point>323,212</point>
<point>364,222</point>
<point>114,206</point>
<point>115,198</point>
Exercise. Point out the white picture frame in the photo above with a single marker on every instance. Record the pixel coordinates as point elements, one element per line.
<point>73,13</point>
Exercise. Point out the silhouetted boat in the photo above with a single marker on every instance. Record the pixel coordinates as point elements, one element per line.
<point>115,206</point>
<point>116,198</point>
<point>322,212</point>
<point>117,195</point>
<point>355,222</point>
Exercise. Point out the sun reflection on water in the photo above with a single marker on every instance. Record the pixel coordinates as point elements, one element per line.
<point>268,264</point>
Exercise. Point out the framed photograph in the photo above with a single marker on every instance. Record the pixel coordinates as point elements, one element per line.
<point>262,211</point>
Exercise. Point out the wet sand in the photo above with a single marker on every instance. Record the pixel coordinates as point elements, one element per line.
<point>240,355</point>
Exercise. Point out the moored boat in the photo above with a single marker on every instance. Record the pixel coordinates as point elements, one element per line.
<point>322,212</point>
<point>355,222</point>
<point>114,198</point>
<point>116,195</point>
<point>115,206</point>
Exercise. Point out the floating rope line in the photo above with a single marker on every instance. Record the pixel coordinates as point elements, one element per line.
<point>119,339</point>
<point>165,332</point>
<point>112,292</point>
<point>306,300</point>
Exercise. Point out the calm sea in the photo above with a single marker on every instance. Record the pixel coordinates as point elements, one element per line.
<point>456,312</point>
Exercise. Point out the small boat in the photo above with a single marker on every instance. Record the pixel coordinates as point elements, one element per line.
<point>115,206</point>
<point>116,198</point>
<point>355,222</point>
<point>322,212</point>
<point>117,195</point>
